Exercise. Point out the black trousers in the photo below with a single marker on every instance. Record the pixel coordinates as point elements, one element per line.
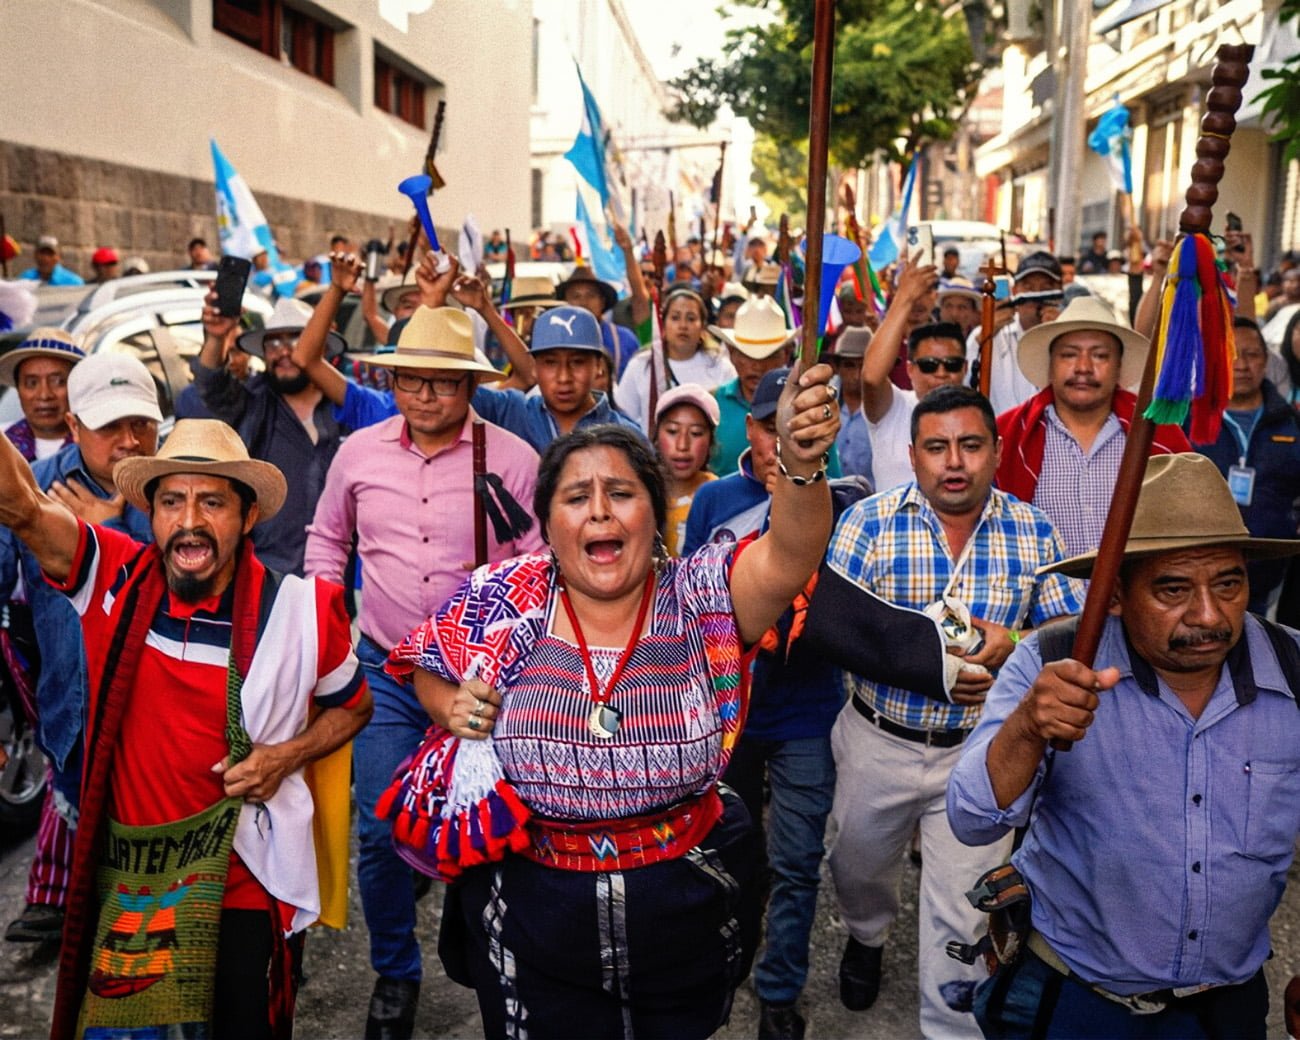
<point>242,1009</point>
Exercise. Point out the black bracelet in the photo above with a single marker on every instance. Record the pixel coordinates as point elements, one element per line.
<point>797,480</point>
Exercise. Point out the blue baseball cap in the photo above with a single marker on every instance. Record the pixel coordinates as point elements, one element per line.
<point>768,394</point>
<point>568,328</point>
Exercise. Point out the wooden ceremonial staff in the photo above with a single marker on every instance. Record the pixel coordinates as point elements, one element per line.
<point>988,315</point>
<point>478,439</point>
<point>819,122</point>
<point>1231,66</point>
<point>659,258</point>
<point>717,209</point>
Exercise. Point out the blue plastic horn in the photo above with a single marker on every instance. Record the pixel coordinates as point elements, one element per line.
<point>417,190</point>
<point>837,253</point>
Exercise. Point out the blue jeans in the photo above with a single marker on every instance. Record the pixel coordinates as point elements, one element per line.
<point>386,883</point>
<point>801,775</point>
<point>1029,999</point>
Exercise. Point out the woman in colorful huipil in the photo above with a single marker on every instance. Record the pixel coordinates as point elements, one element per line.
<point>620,692</point>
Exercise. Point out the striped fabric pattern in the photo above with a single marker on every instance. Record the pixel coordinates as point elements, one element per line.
<point>681,695</point>
<point>893,544</point>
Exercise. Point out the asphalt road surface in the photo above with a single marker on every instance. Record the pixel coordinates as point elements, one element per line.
<point>332,1002</point>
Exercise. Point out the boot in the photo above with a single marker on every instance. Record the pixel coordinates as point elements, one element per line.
<point>392,1009</point>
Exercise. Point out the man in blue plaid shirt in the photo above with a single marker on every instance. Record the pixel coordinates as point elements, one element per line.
<point>967,554</point>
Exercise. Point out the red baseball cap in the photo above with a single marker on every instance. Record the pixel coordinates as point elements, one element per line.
<point>104,255</point>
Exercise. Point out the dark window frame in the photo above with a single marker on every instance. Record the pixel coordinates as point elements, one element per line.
<point>311,42</point>
<point>400,95</point>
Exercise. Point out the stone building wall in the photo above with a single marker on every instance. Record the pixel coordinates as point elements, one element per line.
<point>88,203</point>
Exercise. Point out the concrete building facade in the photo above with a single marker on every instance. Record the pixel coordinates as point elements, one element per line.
<point>322,105</point>
<point>1154,56</point>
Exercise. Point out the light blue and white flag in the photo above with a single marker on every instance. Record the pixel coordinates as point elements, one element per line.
<point>243,230</point>
<point>1113,141</point>
<point>606,261</point>
<point>890,236</point>
<point>589,153</point>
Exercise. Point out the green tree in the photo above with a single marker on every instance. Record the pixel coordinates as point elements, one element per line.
<point>1282,98</point>
<point>903,74</point>
<point>781,176</point>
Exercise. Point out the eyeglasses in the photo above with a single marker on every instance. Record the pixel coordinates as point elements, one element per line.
<point>442,386</point>
<point>931,365</point>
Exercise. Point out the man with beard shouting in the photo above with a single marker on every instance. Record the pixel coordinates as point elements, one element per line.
<point>281,416</point>
<point>213,683</point>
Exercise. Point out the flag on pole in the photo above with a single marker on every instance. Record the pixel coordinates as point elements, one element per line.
<point>588,151</point>
<point>1113,141</point>
<point>606,261</point>
<point>888,244</point>
<point>242,229</point>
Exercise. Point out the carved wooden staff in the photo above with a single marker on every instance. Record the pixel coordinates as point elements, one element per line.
<point>659,260</point>
<point>819,124</point>
<point>717,209</point>
<point>435,182</point>
<point>478,441</point>
<point>988,313</point>
<point>1231,67</point>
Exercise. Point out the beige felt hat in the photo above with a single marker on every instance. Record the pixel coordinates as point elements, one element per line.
<point>760,329</point>
<point>1184,504</point>
<point>203,446</point>
<point>1085,314</point>
<point>289,315</point>
<point>532,290</point>
<point>48,342</point>
<point>434,337</point>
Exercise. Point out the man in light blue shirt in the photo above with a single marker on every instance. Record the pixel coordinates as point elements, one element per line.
<point>48,269</point>
<point>1157,849</point>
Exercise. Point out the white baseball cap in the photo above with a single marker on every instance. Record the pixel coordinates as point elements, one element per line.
<point>108,387</point>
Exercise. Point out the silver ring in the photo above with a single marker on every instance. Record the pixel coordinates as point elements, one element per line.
<point>830,389</point>
<point>474,723</point>
<point>478,709</point>
<point>826,412</point>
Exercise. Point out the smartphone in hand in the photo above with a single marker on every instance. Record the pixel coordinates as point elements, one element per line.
<point>232,276</point>
<point>920,244</point>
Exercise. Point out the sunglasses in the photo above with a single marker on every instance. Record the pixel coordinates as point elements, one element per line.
<point>931,365</point>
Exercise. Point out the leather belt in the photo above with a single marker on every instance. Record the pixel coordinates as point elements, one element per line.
<point>1150,1003</point>
<point>938,738</point>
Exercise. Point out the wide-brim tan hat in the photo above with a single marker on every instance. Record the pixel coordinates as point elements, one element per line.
<point>1085,314</point>
<point>391,297</point>
<point>531,291</point>
<point>760,329</point>
<point>1184,504</point>
<point>46,342</point>
<point>434,337</point>
<point>202,446</point>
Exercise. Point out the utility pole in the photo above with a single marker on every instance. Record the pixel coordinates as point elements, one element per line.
<point>1071,118</point>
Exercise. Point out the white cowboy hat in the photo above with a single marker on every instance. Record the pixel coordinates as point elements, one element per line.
<point>760,329</point>
<point>1086,314</point>
<point>202,446</point>
<point>434,337</point>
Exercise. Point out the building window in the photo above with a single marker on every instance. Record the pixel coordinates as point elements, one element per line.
<point>399,94</point>
<point>279,31</point>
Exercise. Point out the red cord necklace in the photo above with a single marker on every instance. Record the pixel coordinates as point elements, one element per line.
<point>604,720</point>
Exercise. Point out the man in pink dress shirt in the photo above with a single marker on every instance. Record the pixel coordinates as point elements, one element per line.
<point>405,488</point>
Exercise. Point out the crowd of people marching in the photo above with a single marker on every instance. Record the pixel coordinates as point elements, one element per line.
<point>605,610</point>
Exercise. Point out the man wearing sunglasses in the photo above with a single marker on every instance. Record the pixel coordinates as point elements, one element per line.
<point>936,356</point>
<point>404,487</point>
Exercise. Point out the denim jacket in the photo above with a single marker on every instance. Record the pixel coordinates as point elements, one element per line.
<point>61,683</point>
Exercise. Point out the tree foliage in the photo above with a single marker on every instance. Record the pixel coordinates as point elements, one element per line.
<point>781,176</point>
<point>903,73</point>
<point>1282,97</point>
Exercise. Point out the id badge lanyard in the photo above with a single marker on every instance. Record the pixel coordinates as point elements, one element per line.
<point>1241,478</point>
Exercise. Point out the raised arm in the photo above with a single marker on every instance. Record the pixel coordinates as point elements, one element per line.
<point>769,574</point>
<point>1148,311</point>
<point>640,295</point>
<point>48,529</point>
<point>309,351</point>
<point>471,294</point>
<point>877,393</point>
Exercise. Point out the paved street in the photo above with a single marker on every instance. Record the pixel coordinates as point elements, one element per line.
<point>333,1000</point>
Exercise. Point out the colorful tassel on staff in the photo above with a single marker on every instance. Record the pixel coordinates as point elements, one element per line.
<point>1195,347</point>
